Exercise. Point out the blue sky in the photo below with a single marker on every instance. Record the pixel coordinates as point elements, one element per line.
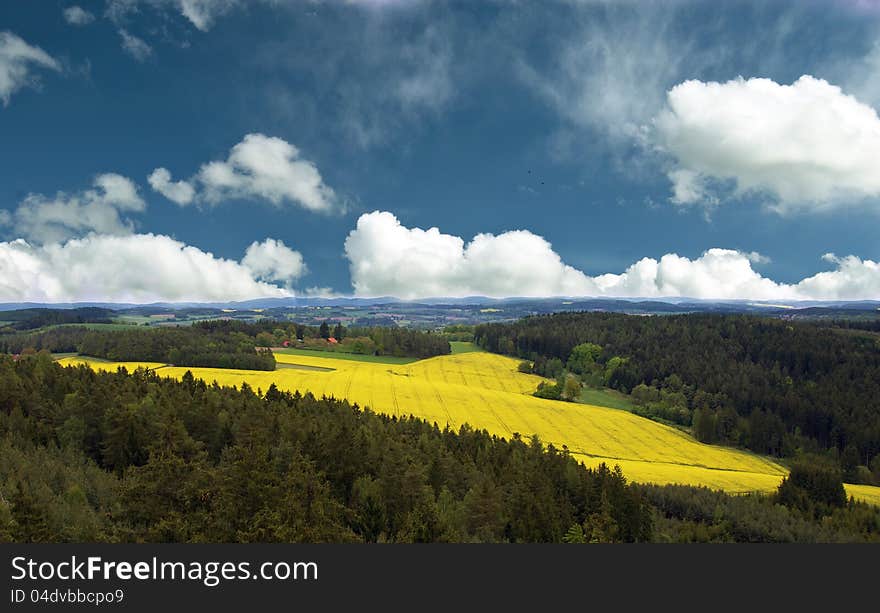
<point>594,148</point>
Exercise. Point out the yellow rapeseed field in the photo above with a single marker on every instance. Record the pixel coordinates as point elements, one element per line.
<point>110,366</point>
<point>486,391</point>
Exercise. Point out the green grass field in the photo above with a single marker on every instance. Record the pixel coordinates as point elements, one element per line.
<point>463,347</point>
<point>606,398</point>
<point>90,326</point>
<point>133,320</point>
<point>354,357</point>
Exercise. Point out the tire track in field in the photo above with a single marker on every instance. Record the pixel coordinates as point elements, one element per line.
<point>452,423</point>
<point>589,432</point>
<point>440,400</point>
<point>489,405</point>
<point>481,376</point>
<point>351,376</point>
<point>392,387</point>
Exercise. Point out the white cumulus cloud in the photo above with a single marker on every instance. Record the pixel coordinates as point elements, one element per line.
<point>272,260</point>
<point>387,258</point>
<point>179,192</point>
<point>136,268</point>
<point>260,166</point>
<point>853,279</point>
<point>724,274</point>
<point>78,16</point>
<point>46,219</point>
<point>806,146</point>
<point>17,62</point>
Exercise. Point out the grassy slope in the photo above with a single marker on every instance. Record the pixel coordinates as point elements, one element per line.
<point>486,391</point>
<point>606,398</point>
<point>133,320</point>
<point>463,347</point>
<point>91,326</point>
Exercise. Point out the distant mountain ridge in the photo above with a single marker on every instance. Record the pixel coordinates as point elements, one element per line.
<point>659,305</point>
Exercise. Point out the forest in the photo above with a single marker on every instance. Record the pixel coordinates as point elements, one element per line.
<point>182,345</point>
<point>774,386</point>
<point>90,456</point>
<point>222,343</point>
<point>31,319</point>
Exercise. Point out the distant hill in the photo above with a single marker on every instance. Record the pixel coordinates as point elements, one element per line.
<point>433,313</point>
<point>654,305</point>
<point>32,318</point>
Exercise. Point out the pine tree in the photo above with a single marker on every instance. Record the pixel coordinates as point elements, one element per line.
<point>30,519</point>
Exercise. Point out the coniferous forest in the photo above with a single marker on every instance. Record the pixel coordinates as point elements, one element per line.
<point>92,456</point>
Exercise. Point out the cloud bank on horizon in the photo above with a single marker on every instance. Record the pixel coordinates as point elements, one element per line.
<point>387,258</point>
<point>140,268</point>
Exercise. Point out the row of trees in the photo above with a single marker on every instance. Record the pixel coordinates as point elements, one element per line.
<point>224,343</point>
<point>179,345</point>
<point>64,339</point>
<point>698,515</point>
<point>770,385</point>
<point>401,342</point>
<point>810,505</point>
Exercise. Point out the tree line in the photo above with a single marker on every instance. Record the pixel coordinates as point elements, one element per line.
<point>30,319</point>
<point>379,340</point>
<point>179,345</point>
<point>225,343</point>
